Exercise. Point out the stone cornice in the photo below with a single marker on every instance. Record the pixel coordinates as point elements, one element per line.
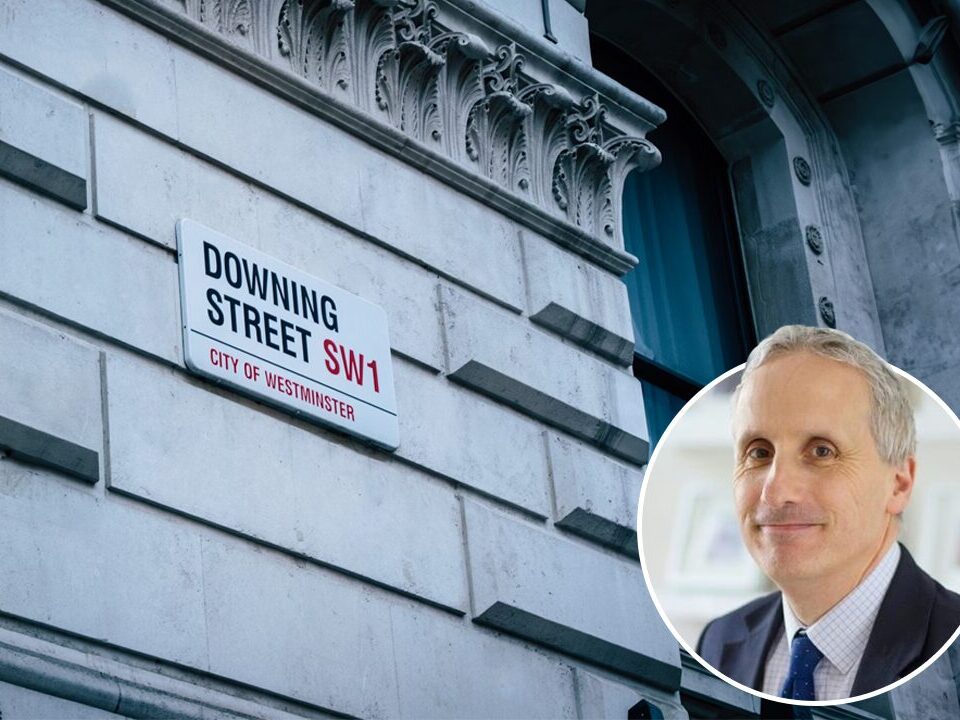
<point>548,142</point>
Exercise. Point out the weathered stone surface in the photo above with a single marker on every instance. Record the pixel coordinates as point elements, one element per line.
<point>569,26</point>
<point>116,681</point>
<point>566,596</point>
<point>331,641</point>
<point>405,290</point>
<point>477,674</point>
<point>432,412</point>
<point>50,389</point>
<point>167,184</point>
<point>343,177</point>
<point>113,284</point>
<point>500,355</point>
<point>596,497</point>
<point>576,299</point>
<point>182,445</point>
<point>602,698</point>
<point>132,72</point>
<point>698,682</point>
<point>104,570</point>
<point>43,140</point>
<point>17,703</point>
<point>299,630</point>
<point>933,693</point>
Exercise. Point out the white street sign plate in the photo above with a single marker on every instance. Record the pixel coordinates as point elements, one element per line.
<point>269,330</point>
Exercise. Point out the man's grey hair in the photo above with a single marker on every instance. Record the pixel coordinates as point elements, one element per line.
<point>891,414</point>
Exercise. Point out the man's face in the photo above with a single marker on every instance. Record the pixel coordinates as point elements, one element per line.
<point>814,499</point>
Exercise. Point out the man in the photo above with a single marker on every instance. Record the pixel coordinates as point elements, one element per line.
<point>825,443</point>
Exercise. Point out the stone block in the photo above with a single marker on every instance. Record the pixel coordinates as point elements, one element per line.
<point>299,631</point>
<point>104,570</point>
<point>596,497</point>
<point>933,693</point>
<point>114,285</point>
<point>116,683</point>
<point>504,357</point>
<point>603,698</point>
<point>404,289</point>
<point>43,140</point>
<point>566,596</point>
<point>699,683</point>
<point>570,27</point>
<point>18,703</point>
<point>178,443</point>
<point>576,299</point>
<point>166,184</point>
<point>479,674</point>
<point>471,439</point>
<point>50,385</point>
<point>145,185</point>
<point>307,633</point>
<point>346,179</point>
<point>97,52</point>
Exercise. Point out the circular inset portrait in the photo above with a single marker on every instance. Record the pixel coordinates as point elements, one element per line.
<point>799,522</point>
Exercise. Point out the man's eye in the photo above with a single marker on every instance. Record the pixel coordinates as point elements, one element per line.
<point>822,451</point>
<point>758,453</point>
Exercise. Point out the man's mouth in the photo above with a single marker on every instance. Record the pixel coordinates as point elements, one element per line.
<point>786,528</point>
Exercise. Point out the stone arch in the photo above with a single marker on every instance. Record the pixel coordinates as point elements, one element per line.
<point>788,177</point>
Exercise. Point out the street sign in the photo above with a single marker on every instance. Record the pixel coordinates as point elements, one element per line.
<point>262,327</point>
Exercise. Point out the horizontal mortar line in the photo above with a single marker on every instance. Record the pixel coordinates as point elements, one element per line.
<point>75,327</point>
<point>580,345</point>
<point>287,552</point>
<point>154,665</point>
<point>587,541</point>
<point>253,181</point>
<point>107,343</point>
<point>572,661</point>
<point>137,235</point>
<point>110,344</point>
<point>295,89</point>
<point>546,524</point>
<point>172,253</point>
<point>518,407</point>
<point>423,365</point>
<point>289,370</point>
<point>285,197</point>
<point>510,507</point>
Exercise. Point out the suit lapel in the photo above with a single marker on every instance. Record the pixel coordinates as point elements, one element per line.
<point>900,630</point>
<point>741,661</point>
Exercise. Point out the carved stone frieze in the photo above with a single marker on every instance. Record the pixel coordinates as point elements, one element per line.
<point>453,93</point>
<point>827,313</point>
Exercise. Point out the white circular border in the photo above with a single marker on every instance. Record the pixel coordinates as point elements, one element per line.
<point>648,475</point>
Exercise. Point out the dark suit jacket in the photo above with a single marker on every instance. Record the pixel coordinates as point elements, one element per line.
<point>917,616</point>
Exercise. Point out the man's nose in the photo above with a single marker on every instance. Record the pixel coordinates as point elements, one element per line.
<point>782,483</point>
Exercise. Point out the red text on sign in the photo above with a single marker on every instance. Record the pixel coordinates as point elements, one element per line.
<point>342,360</point>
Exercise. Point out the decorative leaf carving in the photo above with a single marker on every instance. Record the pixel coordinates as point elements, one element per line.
<point>447,89</point>
<point>547,133</point>
<point>495,136</point>
<point>629,154</point>
<point>371,29</point>
<point>460,88</point>
<point>311,35</point>
<point>406,76</point>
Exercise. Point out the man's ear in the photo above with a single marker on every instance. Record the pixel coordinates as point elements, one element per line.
<point>904,476</point>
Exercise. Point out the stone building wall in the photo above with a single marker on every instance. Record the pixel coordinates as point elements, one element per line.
<point>172,548</point>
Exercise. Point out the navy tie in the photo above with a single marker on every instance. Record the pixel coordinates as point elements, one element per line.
<point>804,657</point>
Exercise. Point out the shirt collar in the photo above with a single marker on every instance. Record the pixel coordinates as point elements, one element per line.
<point>842,633</point>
